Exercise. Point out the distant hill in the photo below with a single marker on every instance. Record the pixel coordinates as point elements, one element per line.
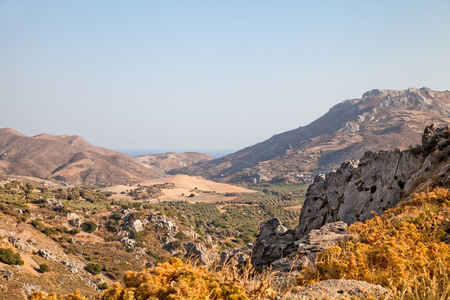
<point>66,158</point>
<point>380,120</point>
<point>168,161</point>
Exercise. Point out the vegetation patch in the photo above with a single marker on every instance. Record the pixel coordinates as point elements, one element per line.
<point>7,256</point>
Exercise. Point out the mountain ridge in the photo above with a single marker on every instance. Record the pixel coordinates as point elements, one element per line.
<point>380,119</point>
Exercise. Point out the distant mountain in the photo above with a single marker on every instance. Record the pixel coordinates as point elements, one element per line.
<point>66,158</point>
<point>380,120</point>
<point>168,161</point>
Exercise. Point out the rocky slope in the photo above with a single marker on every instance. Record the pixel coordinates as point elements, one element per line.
<point>65,158</point>
<point>357,192</point>
<point>380,120</point>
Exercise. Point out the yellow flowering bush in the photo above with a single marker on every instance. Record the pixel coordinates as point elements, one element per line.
<point>173,280</point>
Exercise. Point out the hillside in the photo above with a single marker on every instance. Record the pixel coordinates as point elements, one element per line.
<point>400,253</point>
<point>69,159</point>
<point>381,119</point>
<point>165,162</point>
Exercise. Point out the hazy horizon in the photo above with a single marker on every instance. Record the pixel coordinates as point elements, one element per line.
<point>207,75</point>
<point>135,153</point>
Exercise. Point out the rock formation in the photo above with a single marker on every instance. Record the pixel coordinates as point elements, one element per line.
<point>357,192</point>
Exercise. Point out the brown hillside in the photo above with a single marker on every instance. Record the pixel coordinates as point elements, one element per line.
<point>70,159</point>
<point>380,120</point>
<point>170,160</point>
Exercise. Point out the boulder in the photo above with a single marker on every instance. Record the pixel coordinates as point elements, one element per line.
<point>200,254</point>
<point>162,221</point>
<point>240,256</point>
<point>273,242</point>
<point>318,240</point>
<point>23,245</point>
<point>136,226</point>
<point>339,289</point>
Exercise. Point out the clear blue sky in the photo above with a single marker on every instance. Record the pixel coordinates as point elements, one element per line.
<point>207,75</point>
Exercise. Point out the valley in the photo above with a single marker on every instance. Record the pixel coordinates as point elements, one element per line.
<point>88,215</point>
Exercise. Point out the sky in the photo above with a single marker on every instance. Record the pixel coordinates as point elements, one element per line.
<point>212,76</point>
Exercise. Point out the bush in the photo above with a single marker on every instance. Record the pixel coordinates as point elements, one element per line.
<point>8,256</point>
<point>174,280</point>
<point>94,268</point>
<point>37,224</point>
<point>89,226</point>
<point>44,268</point>
<point>103,286</point>
<point>74,231</point>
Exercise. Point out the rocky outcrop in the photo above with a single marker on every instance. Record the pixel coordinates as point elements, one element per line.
<point>238,255</point>
<point>162,221</point>
<point>287,252</point>
<point>273,242</point>
<point>359,192</point>
<point>318,240</point>
<point>355,192</point>
<point>339,289</point>
<point>199,253</point>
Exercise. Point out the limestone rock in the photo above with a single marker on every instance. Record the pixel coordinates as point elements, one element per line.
<point>191,233</point>
<point>273,242</point>
<point>339,289</point>
<point>240,256</point>
<point>200,253</point>
<point>23,245</point>
<point>73,266</point>
<point>74,220</point>
<point>57,205</point>
<point>46,254</point>
<point>136,226</point>
<point>162,221</point>
<point>318,240</point>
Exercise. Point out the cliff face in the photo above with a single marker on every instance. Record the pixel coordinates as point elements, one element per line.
<point>357,192</point>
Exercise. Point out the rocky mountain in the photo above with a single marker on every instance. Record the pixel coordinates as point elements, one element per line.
<point>357,192</point>
<point>165,162</point>
<point>69,159</point>
<point>381,119</point>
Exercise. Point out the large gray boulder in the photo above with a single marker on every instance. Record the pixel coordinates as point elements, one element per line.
<point>273,242</point>
<point>200,254</point>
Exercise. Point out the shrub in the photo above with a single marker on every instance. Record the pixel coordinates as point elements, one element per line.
<point>94,268</point>
<point>37,224</point>
<point>192,195</point>
<point>8,256</point>
<point>173,280</point>
<point>49,230</point>
<point>74,231</point>
<point>44,268</point>
<point>89,226</point>
<point>103,286</point>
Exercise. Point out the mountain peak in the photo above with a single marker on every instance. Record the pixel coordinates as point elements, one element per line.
<point>11,131</point>
<point>380,120</point>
